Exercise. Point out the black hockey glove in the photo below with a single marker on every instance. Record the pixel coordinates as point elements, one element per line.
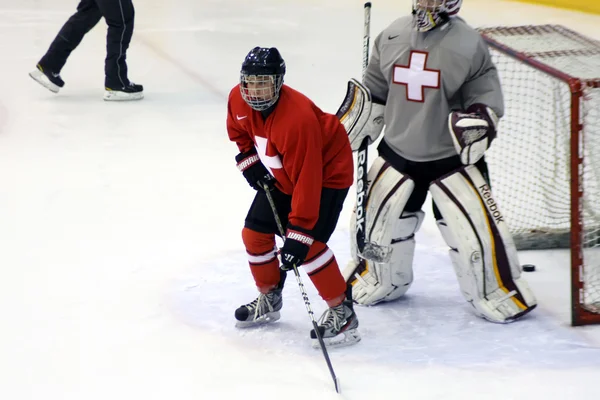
<point>295,248</point>
<point>254,171</point>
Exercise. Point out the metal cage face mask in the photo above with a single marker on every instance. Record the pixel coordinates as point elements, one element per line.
<point>428,14</point>
<point>260,91</point>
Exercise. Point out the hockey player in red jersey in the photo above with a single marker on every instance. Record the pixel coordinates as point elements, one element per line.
<point>303,155</point>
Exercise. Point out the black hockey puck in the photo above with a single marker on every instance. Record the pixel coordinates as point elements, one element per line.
<point>528,267</point>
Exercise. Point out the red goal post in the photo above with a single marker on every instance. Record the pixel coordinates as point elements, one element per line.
<point>545,164</point>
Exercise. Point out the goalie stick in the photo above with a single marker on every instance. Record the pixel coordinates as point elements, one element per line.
<point>361,159</point>
<point>354,114</point>
<point>311,314</point>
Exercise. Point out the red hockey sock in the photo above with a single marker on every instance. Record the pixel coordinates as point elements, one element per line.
<point>262,257</point>
<point>324,272</point>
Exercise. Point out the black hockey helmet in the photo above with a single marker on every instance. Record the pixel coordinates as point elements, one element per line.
<point>263,61</point>
<point>261,77</point>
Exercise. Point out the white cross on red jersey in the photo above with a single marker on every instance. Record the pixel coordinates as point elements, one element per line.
<point>416,76</point>
<point>270,162</point>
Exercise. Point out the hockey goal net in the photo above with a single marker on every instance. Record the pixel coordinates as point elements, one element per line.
<point>545,165</point>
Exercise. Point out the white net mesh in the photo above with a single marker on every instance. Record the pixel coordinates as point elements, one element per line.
<point>591,199</point>
<point>530,162</point>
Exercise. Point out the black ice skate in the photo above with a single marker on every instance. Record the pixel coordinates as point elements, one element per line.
<point>263,310</point>
<point>127,93</point>
<point>47,78</point>
<point>337,326</point>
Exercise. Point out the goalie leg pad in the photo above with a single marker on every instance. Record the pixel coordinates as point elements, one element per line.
<point>386,225</point>
<point>375,282</point>
<point>387,196</point>
<point>481,248</point>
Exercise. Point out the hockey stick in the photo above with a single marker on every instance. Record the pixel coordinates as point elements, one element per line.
<point>366,38</point>
<point>303,292</point>
<point>361,161</point>
<point>368,250</point>
<point>354,113</point>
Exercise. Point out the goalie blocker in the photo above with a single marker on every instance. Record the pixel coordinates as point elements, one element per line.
<point>481,248</point>
<point>361,116</point>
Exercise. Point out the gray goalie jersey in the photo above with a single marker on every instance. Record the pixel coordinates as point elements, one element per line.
<point>422,77</point>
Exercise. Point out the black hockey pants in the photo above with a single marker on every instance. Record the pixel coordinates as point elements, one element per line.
<point>260,216</point>
<point>119,16</point>
<point>423,173</point>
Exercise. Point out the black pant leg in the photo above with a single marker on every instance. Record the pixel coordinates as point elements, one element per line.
<point>417,197</point>
<point>119,16</point>
<point>483,168</point>
<point>332,202</point>
<point>68,38</point>
<point>260,215</point>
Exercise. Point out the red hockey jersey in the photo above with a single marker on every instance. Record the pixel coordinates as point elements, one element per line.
<point>303,147</point>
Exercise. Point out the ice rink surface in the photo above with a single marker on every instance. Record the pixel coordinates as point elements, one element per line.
<point>120,247</point>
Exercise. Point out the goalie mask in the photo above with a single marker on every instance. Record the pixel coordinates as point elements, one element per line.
<point>261,77</point>
<point>427,14</point>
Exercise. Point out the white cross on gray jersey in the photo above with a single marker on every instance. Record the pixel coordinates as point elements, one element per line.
<point>422,76</point>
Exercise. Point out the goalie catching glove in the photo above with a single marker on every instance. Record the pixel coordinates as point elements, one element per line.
<point>472,132</point>
<point>361,116</point>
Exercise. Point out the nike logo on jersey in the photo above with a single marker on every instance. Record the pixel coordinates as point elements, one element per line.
<point>240,118</point>
<point>392,37</point>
